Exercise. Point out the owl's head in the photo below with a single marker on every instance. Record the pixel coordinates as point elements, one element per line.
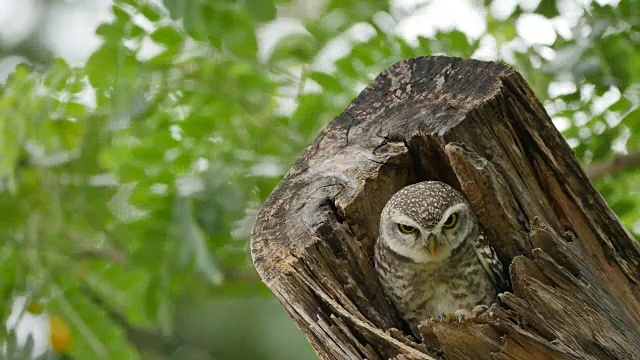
<point>426,221</point>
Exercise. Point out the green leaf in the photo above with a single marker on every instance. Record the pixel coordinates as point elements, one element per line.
<point>241,40</point>
<point>347,68</point>
<point>10,264</point>
<point>56,78</point>
<point>295,47</point>
<point>168,36</point>
<point>547,8</point>
<point>195,244</point>
<point>150,11</point>
<point>425,45</point>
<point>120,289</point>
<point>454,43</point>
<point>193,14</point>
<point>260,10</point>
<point>120,13</point>
<point>616,54</point>
<point>109,64</point>
<point>328,82</point>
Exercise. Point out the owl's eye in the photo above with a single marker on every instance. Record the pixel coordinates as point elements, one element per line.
<point>451,221</point>
<point>406,229</point>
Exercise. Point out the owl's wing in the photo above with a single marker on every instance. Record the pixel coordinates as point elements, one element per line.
<point>490,263</point>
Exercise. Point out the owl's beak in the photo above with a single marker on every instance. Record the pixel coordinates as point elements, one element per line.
<point>432,245</point>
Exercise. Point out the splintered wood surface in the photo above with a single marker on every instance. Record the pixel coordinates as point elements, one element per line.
<point>477,126</point>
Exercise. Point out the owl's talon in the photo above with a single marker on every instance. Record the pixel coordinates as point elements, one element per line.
<point>442,316</point>
<point>458,316</point>
<point>478,311</point>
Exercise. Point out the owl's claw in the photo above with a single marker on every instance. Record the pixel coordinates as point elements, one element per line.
<point>457,316</point>
<point>460,316</point>
<point>478,310</point>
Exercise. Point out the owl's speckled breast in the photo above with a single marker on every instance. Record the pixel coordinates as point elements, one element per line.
<point>419,290</point>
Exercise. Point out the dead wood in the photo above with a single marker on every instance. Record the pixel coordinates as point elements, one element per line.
<point>477,126</point>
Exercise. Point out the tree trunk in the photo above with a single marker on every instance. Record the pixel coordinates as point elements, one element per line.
<point>477,126</point>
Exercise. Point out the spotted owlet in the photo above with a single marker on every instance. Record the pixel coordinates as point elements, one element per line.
<point>431,255</point>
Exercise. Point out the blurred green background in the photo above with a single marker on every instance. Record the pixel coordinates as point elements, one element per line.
<point>139,138</point>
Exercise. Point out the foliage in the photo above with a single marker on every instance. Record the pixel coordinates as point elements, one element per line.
<point>128,186</point>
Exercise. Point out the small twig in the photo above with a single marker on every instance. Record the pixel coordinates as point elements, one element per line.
<point>613,166</point>
<point>112,256</point>
<point>112,253</point>
<point>243,275</point>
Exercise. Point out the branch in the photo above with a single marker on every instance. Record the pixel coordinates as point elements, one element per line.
<point>147,341</point>
<point>613,166</point>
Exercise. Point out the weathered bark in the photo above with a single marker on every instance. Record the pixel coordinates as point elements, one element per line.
<point>477,126</point>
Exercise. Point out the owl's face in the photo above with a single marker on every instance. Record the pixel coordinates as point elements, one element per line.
<point>426,221</point>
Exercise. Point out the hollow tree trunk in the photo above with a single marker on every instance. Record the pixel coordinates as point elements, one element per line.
<point>477,126</point>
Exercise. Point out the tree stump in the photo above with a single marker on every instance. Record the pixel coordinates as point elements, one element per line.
<point>477,126</point>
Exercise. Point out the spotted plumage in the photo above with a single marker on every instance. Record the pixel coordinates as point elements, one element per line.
<point>431,255</point>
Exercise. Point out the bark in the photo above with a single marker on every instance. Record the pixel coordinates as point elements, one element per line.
<point>476,125</point>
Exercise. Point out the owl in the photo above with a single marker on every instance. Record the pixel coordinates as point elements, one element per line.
<point>431,256</point>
